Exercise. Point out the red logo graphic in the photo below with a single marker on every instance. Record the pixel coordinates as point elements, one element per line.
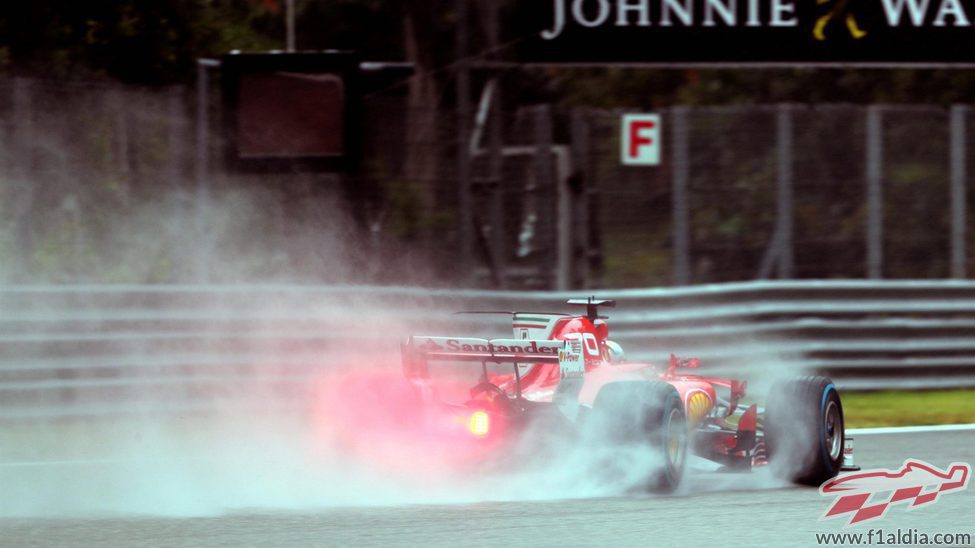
<point>640,140</point>
<point>640,136</point>
<point>916,483</point>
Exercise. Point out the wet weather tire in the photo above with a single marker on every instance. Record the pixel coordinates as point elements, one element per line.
<point>804,430</point>
<point>646,416</point>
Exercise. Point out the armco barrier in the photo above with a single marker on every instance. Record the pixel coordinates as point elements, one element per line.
<point>77,350</point>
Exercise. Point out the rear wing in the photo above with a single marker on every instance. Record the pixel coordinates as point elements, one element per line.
<point>417,351</point>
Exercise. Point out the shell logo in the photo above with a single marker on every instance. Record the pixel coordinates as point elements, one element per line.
<point>698,403</point>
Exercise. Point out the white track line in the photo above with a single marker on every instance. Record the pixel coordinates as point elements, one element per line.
<point>63,462</point>
<point>850,431</point>
<point>105,461</point>
<point>909,429</point>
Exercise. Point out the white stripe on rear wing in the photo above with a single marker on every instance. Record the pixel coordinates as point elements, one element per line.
<point>496,350</point>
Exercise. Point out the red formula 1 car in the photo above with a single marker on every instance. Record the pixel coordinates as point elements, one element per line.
<point>561,373</point>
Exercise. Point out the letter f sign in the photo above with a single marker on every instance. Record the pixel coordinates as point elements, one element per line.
<point>640,141</point>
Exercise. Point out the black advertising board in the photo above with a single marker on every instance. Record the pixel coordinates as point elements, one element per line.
<point>714,32</point>
<point>291,111</point>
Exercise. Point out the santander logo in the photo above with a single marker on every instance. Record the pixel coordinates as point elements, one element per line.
<point>868,495</point>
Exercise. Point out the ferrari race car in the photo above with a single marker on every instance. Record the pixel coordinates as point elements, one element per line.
<point>561,373</point>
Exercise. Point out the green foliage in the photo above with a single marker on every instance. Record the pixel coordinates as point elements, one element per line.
<point>155,42</point>
<point>147,42</point>
<point>900,408</point>
<point>636,262</point>
<point>372,27</point>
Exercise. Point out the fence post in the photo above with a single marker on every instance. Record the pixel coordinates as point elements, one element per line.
<point>176,136</point>
<point>585,183</point>
<point>680,182</point>
<point>202,259</point>
<point>497,184</point>
<point>23,106</point>
<point>122,142</point>
<point>959,177</point>
<point>545,184</point>
<point>463,90</point>
<point>784,206</point>
<point>289,25</point>
<point>875,211</point>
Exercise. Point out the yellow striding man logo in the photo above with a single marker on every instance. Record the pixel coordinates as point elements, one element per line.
<point>840,9</point>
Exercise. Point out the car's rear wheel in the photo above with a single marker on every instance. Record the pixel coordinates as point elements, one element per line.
<point>646,417</point>
<point>804,429</point>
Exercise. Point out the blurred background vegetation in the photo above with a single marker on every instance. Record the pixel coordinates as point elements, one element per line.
<point>151,46</point>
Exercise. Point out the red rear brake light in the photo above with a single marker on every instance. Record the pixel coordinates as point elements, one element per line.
<point>479,423</point>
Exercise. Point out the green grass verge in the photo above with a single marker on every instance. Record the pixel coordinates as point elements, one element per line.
<point>902,408</point>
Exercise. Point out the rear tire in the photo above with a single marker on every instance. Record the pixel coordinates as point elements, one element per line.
<point>804,430</point>
<point>646,416</point>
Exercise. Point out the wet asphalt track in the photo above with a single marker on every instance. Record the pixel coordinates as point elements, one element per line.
<point>731,515</point>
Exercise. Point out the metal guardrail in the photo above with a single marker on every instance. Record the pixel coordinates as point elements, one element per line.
<point>76,350</point>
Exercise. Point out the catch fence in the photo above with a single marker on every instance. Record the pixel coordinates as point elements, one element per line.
<point>102,183</point>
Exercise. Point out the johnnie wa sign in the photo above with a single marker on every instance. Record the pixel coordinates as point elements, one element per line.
<point>746,31</point>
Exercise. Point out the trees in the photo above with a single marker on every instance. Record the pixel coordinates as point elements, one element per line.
<point>144,42</point>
